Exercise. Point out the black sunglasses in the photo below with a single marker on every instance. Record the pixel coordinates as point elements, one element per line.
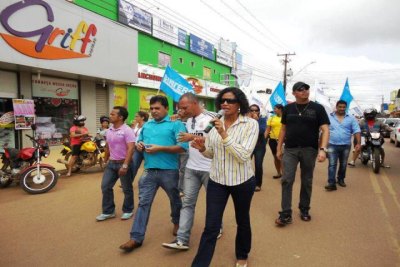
<point>229,100</point>
<point>254,110</point>
<point>302,89</point>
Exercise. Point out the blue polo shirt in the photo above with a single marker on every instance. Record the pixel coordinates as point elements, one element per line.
<point>163,133</point>
<point>340,132</point>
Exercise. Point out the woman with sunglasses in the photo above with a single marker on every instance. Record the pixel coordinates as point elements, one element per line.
<point>230,145</point>
<point>259,150</point>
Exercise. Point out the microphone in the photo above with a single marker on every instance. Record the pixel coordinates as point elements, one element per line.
<point>211,124</point>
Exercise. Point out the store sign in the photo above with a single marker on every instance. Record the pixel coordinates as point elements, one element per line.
<point>54,87</point>
<point>201,47</point>
<point>224,58</point>
<point>61,36</point>
<point>168,32</point>
<point>133,16</point>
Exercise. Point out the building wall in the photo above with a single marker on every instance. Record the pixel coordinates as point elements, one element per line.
<point>88,106</point>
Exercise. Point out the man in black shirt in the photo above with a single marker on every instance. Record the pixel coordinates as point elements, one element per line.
<point>302,122</point>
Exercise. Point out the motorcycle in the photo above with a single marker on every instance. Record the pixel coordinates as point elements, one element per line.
<point>25,167</point>
<point>371,149</point>
<point>91,153</point>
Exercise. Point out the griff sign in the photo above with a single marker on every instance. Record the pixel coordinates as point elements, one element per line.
<point>53,42</point>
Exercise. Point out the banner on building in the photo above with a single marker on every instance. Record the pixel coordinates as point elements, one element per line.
<point>168,32</point>
<point>201,47</point>
<point>174,85</point>
<point>134,16</point>
<point>24,113</point>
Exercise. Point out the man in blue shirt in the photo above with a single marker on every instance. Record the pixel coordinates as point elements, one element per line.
<point>342,127</point>
<point>159,141</point>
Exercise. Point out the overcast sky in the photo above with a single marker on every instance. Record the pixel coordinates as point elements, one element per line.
<point>358,39</point>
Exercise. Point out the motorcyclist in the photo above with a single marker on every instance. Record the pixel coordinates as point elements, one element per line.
<point>105,124</point>
<point>370,124</point>
<point>77,132</point>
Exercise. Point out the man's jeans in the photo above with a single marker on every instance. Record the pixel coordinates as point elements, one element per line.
<point>110,177</point>
<point>193,181</point>
<point>149,183</point>
<point>217,197</point>
<point>306,156</point>
<point>335,153</point>
<point>136,161</point>
<point>259,153</point>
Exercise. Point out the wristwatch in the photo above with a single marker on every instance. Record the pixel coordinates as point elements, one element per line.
<point>324,149</point>
<point>124,166</point>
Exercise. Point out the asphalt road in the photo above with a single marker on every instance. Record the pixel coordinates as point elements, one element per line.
<point>354,226</point>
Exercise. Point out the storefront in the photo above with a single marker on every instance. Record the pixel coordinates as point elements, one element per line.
<point>66,59</point>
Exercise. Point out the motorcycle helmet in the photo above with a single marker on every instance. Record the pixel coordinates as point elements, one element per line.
<point>104,118</point>
<point>370,113</point>
<point>79,120</point>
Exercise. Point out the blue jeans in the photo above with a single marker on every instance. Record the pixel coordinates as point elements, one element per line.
<point>194,179</point>
<point>259,153</point>
<point>335,153</point>
<point>110,177</point>
<point>217,197</point>
<point>136,162</point>
<point>149,183</point>
<point>306,156</point>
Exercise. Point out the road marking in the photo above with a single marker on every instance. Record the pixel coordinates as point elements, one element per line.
<point>378,192</point>
<point>390,188</point>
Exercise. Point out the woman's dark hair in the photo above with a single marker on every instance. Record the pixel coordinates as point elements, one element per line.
<point>160,99</point>
<point>279,106</point>
<point>239,95</point>
<point>144,115</point>
<point>254,105</point>
<point>122,111</point>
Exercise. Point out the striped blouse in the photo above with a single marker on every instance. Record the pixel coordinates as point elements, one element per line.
<point>232,164</point>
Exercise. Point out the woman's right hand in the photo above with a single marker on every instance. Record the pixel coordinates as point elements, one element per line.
<point>199,143</point>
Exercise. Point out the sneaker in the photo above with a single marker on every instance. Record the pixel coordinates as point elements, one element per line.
<point>126,215</point>
<point>351,163</point>
<point>330,187</point>
<point>385,166</point>
<point>341,183</point>
<point>305,216</point>
<point>220,234</point>
<point>283,219</point>
<point>176,245</point>
<point>103,217</point>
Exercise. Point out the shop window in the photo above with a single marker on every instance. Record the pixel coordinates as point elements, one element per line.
<point>56,104</point>
<point>206,73</point>
<point>7,132</point>
<point>164,59</point>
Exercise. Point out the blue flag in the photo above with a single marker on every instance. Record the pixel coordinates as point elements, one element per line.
<point>346,95</point>
<point>174,85</point>
<point>278,96</point>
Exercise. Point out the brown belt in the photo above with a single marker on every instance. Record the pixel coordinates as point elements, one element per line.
<point>116,161</point>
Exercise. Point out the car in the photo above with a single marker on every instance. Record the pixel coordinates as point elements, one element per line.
<point>390,122</point>
<point>395,134</point>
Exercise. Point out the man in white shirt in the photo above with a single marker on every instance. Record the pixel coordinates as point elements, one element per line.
<point>197,167</point>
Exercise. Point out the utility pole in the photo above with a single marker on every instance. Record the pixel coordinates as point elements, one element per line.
<point>285,62</point>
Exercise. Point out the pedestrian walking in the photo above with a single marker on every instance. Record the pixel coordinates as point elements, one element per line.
<point>197,167</point>
<point>141,118</point>
<point>260,149</point>
<point>230,145</point>
<point>274,126</point>
<point>159,141</point>
<point>342,127</point>
<point>302,122</point>
<point>118,157</point>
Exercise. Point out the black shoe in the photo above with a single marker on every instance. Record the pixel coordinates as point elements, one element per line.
<point>305,216</point>
<point>341,183</point>
<point>283,219</point>
<point>330,187</point>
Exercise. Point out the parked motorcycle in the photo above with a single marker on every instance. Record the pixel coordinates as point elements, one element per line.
<point>371,149</point>
<point>25,167</point>
<point>91,153</point>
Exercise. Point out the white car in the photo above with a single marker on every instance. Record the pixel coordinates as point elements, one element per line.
<point>395,134</point>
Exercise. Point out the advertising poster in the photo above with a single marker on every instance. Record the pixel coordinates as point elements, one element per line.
<point>201,47</point>
<point>134,17</point>
<point>120,97</point>
<point>145,96</point>
<point>24,113</point>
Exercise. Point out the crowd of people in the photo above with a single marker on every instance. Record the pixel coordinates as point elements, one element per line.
<point>181,157</point>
